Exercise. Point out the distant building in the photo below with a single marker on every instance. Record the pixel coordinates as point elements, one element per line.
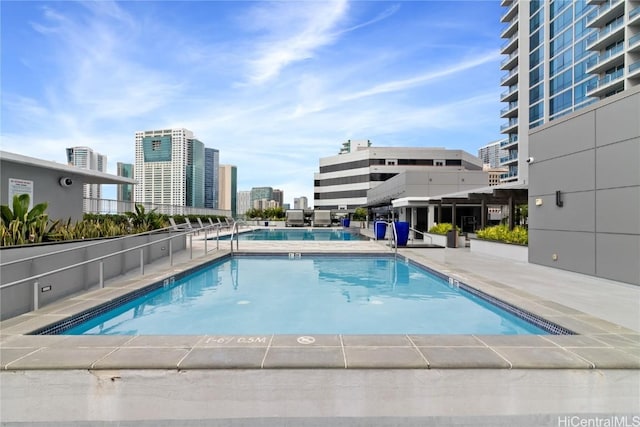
<point>86,158</point>
<point>260,193</point>
<point>211,176</point>
<point>343,180</point>
<point>125,191</point>
<point>228,189</point>
<point>278,196</point>
<point>495,174</point>
<point>491,154</point>
<point>300,202</point>
<point>169,167</point>
<point>243,202</point>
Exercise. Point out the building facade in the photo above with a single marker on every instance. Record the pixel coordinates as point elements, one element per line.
<point>228,189</point>
<point>491,154</point>
<point>561,56</point>
<point>86,158</point>
<point>125,191</point>
<point>343,180</point>
<point>584,192</point>
<point>243,202</point>
<point>211,176</point>
<point>169,167</point>
<point>300,202</point>
<point>278,196</point>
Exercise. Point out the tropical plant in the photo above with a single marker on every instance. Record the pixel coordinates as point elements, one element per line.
<point>442,228</point>
<point>142,221</point>
<point>501,233</point>
<point>22,225</point>
<point>360,214</point>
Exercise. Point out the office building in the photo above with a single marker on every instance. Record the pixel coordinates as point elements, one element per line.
<point>344,179</point>
<point>561,56</point>
<point>278,196</point>
<point>243,203</point>
<point>86,158</point>
<point>211,176</point>
<point>169,167</point>
<point>260,193</point>
<point>300,202</point>
<point>228,189</point>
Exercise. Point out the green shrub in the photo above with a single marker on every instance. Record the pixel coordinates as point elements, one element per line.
<point>501,233</point>
<point>442,228</point>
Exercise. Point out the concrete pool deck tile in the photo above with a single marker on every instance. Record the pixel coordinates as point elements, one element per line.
<point>223,358</point>
<point>576,325</point>
<point>376,340</point>
<point>463,357</point>
<point>608,358</point>
<point>168,341</point>
<point>304,357</point>
<point>446,341</point>
<point>142,358</point>
<point>320,340</point>
<point>234,341</point>
<point>561,308</point>
<point>514,341</point>
<point>32,324</point>
<point>619,340</point>
<point>61,358</point>
<point>35,341</point>
<point>603,324</point>
<point>90,340</point>
<point>384,358</point>
<point>542,358</point>
<point>570,341</point>
<point>10,355</point>
<point>75,307</point>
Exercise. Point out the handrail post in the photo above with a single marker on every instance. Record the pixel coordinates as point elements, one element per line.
<point>170,252</point>
<point>205,241</point>
<point>217,238</point>
<point>142,261</point>
<point>190,246</point>
<point>35,296</point>
<point>101,274</point>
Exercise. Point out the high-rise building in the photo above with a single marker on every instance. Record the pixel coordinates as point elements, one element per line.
<point>169,167</point>
<point>300,202</point>
<point>261,193</point>
<point>278,196</point>
<point>491,154</point>
<point>243,202</point>
<point>125,191</point>
<point>211,174</point>
<point>228,189</point>
<point>86,158</point>
<point>562,56</point>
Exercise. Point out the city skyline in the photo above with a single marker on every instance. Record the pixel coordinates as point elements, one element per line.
<point>273,86</point>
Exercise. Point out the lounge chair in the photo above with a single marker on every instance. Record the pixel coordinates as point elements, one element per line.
<point>295,218</point>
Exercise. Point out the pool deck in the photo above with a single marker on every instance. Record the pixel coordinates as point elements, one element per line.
<point>605,315</point>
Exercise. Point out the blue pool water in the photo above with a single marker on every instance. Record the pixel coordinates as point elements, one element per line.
<point>299,234</point>
<point>307,295</point>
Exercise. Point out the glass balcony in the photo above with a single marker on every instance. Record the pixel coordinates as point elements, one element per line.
<point>604,32</point>
<point>635,40</point>
<point>602,14</point>
<point>510,123</point>
<point>634,12</point>
<point>511,157</point>
<point>633,67</point>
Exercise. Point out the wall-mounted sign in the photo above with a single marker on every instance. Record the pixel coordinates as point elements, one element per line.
<point>20,186</point>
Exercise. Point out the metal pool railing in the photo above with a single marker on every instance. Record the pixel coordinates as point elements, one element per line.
<point>35,279</point>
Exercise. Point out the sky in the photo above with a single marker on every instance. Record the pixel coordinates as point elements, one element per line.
<point>275,86</point>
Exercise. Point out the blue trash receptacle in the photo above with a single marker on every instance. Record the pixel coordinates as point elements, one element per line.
<point>346,222</point>
<point>380,229</point>
<point>402,229</point>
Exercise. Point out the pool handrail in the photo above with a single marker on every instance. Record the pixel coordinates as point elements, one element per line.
<point>35,278</point>
<point>424,234</point>
<point>393,238</point>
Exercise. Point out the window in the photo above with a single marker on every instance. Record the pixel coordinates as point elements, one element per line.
<point>536,112</point>
<point>536,93</point>
<point>560,82</point>
<point>536,75</point>
<point>536,57</point>
<point>560,102</point>
<point>561,22</point>
<point>559,43</point>
<point>536,38</point>
<point>560,62</point>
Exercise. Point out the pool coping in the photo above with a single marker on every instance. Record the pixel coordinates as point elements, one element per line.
<point>599,344</point>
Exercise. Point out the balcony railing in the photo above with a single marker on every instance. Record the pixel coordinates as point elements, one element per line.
<point>510,157</point>
<point>633,67</point>
<point>634,40</point>
<point>610,77</point>
<point>509,58</point>
<point>609,53</point>
<point>105,206</point>
<point>512,38</point>
<point>634,12</point>
<point>511,123</point>
<point>511,140</point>
<point>602,9</point>
<point>509,107</point>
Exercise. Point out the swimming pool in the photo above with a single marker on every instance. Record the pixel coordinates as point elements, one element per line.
<point>308,294</point>
<point>299,234</point>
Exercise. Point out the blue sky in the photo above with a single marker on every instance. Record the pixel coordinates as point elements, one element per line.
<point>273,85</point>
